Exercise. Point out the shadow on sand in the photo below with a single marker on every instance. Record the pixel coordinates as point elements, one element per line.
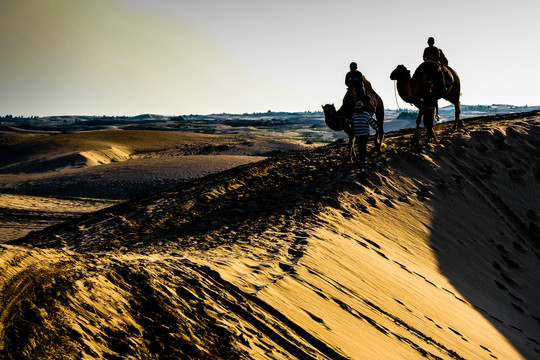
<point>484,192</point>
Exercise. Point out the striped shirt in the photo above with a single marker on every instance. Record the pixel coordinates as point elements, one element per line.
<point>361,123</point>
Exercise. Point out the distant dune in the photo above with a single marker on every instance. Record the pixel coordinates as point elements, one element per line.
<point>103,166</point>
<point>431,252</point>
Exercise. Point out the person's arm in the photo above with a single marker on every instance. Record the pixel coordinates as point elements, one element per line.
<point>372,123</point>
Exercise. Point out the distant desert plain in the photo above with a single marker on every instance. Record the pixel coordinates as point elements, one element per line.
<point>171,239</point>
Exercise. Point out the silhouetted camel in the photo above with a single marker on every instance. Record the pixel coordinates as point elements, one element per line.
<point>424,89</point>
<point>338,120</point>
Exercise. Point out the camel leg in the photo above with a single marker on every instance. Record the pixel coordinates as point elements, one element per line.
<point>414,140</point>
<point>428,122</point>
<point>352,152</point>
<point>457,111</point>
<point>379,136</point>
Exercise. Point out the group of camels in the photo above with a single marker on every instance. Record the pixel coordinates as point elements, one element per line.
<point>423,90</point>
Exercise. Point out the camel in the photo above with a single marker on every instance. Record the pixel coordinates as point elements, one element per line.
<point>338,120</point>
<point>424,89</point>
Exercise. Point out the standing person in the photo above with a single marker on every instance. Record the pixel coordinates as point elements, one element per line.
<point>433,53</point>
<point>360,122</point>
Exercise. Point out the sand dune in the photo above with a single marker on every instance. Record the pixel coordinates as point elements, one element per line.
<point>20,214</point>
<point>112,165</point>
<point>105,156</point>
<point>430,253</point>
<point>42,152</point>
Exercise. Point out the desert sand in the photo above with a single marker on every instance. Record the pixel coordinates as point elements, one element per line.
<point>430,252</point>
<point>49,176</point>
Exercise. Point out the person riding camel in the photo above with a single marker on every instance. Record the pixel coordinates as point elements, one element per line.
<point>354,79</point>
<point>433,53</point>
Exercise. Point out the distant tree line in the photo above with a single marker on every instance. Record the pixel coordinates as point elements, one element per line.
<point>12,118</point>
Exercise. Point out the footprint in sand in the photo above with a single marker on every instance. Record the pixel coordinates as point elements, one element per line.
<point>516,298</point>
<point>317,319</point>
<point>489,351</point>
<point>424,192</point>
<point>518,246</point>
<point>511,132</point>
<point>388,203</point>
<point>517,307</point>
<point>288,268</point>
<point>373,243</point>
<point>295,253</point>
<point>497,136</point>
<point>500,286</point>
<point>458,334</point>
<point>510,262</point>
<point>482,148</point>
<point>508,279</point>
<point>500,143</point>
<point>404,199</point>
<point>371,201</point>
<point>361,207</point>
<point>404,267</point>
<point>430,319</point>
<point>405,306</point>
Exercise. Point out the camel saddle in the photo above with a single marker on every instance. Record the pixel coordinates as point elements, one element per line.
<point>448,77</point>
<point>446,73</point>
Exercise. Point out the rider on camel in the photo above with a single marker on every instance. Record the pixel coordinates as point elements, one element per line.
<point>433,53</point>
<point>356,80</point>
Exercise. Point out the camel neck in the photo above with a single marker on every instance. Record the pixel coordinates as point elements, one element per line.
<point>405,90</point>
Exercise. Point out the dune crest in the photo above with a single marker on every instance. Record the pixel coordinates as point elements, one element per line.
<point>106,156</point>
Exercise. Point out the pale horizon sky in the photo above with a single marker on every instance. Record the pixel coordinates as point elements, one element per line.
<point>170,57</point>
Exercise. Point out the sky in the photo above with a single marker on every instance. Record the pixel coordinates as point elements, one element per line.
<point>180,57</point>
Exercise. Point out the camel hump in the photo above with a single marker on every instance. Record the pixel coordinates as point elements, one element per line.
<point>435,66</point>
<point>433,70</point>
<point>428,65</point>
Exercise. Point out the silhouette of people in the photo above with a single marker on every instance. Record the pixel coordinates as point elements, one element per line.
<point>433,53</point>
<point>360,122</point>
<point>354,79</point>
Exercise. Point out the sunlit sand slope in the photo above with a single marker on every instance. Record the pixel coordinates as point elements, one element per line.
<point>430,253</point>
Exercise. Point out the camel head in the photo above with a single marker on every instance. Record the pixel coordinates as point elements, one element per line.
<point>329,110</point>
<point>400,73</point>
<point>331,118</point>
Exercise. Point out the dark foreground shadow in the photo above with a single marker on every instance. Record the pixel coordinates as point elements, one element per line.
<point>486,197</point>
